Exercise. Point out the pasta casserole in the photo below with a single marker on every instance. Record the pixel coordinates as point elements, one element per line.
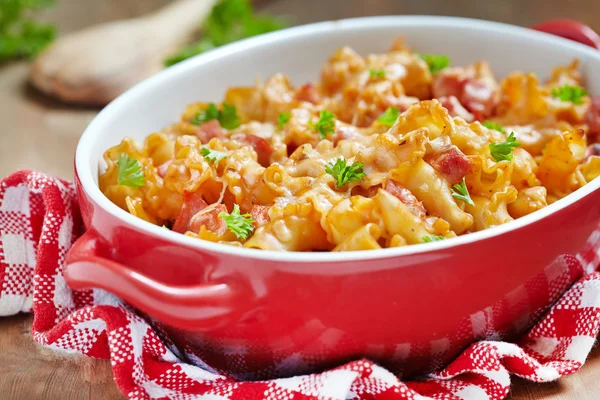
<point>386,150</point>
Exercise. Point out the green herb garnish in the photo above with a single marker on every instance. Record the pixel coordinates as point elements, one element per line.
<point>20,35</point>
<point>494,126</point>
<point>228,117</point>
<point>240,224</point>
<point>500,151</point>
<point>229,21</point>
<point>130,172</point>
<point>389,117</point>
<point>325,125</point>
<point>208,114</point>
<point>574,94</point>
<point>374,73</point>
<point>343,173</point>
<point>460,192</point>
<point>432,238</point>
<point>436,63</point>
<point>212,156</point>
<point>283,119</point>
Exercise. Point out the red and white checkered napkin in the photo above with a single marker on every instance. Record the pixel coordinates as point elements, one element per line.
<point>39,220</point>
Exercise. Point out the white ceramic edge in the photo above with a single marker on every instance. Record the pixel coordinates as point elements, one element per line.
<point>95,127</point>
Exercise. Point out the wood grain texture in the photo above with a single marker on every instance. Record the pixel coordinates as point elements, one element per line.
<point>29,371</point>
<point>38,133</point>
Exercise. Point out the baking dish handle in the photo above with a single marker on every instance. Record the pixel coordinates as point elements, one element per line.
<point>570,29</point>
<point>195,307</point>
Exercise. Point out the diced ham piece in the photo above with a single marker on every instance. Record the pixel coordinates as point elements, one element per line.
<point>262,148</point>
<point>456,109</point>
<point>451,163</point>
<point>229,200</point>
<point>478,96</point>
<point>406,197</point>
<point>260,215</point>
<point>209,218</point>
<point>308,93</point>
<point>209,130</point>
<point>192,204</point>
<point>592,117</point>
<point>162,168</point>
<point>449,82</point>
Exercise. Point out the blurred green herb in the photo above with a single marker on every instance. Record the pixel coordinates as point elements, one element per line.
<point>229,21</point>
<point>432,238</point>
<point>227,117</point>
<point>283,119</point>
<point>436,62</point>
<point>574,94</point>
<point>130,172</point>
<point>20,35</point>
<point>375,73</point>
<point>325,125</point>
<point>389,117</point>
<point>213,156</point>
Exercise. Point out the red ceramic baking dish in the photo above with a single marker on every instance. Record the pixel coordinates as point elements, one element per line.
<point>258,314</point>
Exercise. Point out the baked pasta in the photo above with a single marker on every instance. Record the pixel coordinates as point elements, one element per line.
<point>387,150</point>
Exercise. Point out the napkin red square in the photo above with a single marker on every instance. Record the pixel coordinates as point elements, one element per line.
<point>39,221</point>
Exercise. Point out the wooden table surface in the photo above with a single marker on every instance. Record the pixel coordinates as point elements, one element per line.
<point>41,134</point>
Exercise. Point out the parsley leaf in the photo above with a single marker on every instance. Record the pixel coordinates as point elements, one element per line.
<point>432,238</point>
<point>206,115</point>
<point>343,173</point>
<point>436,63</point>
<point>130,172</point>
<point>460,192</point>
<point>325,125</point>
<point>500,151</point>
<point>389,117</point>
<point>283,119</point>
<point>228,118</point>
<point>229,21</point>
<point>240,224</point>
<point>574,94</point>
<point>494,126</point>
<point>212,156</point>
<point>20,35</point>
<point>374,73</point>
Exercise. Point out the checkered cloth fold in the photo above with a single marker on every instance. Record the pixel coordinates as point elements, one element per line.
<point>39,221</point>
